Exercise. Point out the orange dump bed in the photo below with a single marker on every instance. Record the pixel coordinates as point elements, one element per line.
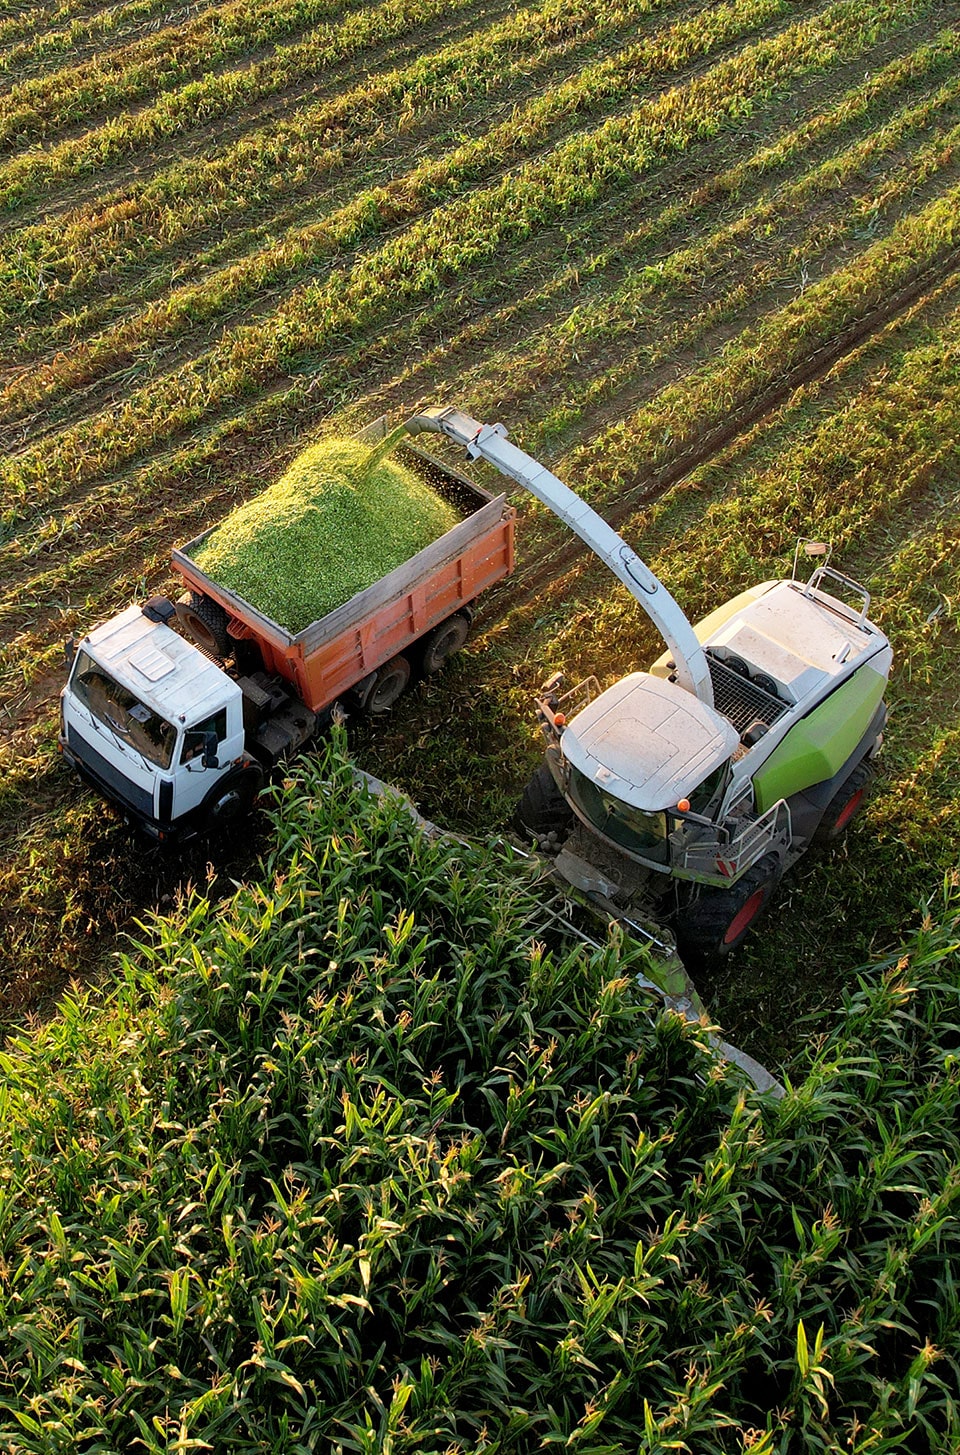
<point>333,654</point>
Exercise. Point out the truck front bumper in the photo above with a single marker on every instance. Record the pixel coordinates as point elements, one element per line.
<point>104,779</point>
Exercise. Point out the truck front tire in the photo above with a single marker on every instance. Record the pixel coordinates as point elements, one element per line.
<point>233,799</point>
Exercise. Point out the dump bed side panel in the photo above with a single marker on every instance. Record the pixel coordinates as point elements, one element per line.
<point>338,651</point>
<point>341,658</point>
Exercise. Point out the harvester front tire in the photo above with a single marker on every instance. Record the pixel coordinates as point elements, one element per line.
<point>719,921</point>
<point>844,806</point>
<point>442,642</point>
<point>389,685</point>
<point>543,813</point>
<point>206,622</point>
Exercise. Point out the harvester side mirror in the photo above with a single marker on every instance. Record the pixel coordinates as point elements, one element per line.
<point>69,651</point>
<point>210,759</point>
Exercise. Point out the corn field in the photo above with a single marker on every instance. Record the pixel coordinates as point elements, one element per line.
<point>356,1160</point>
<point>699,257</point>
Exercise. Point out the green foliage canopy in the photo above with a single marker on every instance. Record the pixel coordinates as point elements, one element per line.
<point>354,1160</point>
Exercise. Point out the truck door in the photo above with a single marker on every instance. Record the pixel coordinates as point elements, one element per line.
<point>194,779</point>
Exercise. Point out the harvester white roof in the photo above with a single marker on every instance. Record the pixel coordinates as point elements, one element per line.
<point>648,742</point>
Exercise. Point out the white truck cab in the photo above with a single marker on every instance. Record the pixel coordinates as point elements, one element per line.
<point>151,721</point>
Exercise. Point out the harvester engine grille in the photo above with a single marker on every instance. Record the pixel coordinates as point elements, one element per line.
<point>740,699</point>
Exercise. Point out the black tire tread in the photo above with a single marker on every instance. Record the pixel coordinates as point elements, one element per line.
<point>542,808</point>
<point>429,661</point>
<point>212,619</point>
<point>826,833</point>
<point>701,925</point>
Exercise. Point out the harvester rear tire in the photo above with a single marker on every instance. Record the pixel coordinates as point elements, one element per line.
<point>543,811</point>
<point>206,622</point>
<point>389,685</point>
<point>719,921</point>
<point>844,806</point>
<point>442,642</point>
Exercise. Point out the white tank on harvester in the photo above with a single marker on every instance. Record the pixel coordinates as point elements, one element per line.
<point>688,789</point>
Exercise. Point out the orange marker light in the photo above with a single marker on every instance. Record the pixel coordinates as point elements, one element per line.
<point>683,806</point>
<point>559,719</point>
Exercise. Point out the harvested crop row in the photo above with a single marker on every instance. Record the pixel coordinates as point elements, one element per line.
<point>646,304</point>
<point>261,168</point>
<point>436,179</point>
<point>214,95</point>
<point>457,237</point>
<point>779,342</point>
<point>44,47</point>
<point>41,106</point>
<point>33,19</point>
<point>667,305</point>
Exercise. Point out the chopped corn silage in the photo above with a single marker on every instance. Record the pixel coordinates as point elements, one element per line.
<point>341,517</point>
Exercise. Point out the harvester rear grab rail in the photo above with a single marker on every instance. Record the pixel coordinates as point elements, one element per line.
<point>727,860</point>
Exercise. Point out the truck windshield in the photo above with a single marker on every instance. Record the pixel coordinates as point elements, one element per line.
<point>122,712</point>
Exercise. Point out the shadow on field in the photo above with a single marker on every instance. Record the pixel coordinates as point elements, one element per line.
<point>75,880</point>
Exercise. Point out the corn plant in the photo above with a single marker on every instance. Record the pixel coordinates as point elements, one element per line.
<point>354,1160</point>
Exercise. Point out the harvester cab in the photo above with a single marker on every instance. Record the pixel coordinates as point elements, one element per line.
<point>686,790</point>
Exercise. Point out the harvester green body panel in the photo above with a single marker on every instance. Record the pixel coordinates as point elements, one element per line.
<point>821,742</point>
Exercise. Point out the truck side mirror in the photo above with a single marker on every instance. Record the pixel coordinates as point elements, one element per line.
<point>210,759</point>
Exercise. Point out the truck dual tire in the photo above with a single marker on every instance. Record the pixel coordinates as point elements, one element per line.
<point>718,922</point>
<point>442,642</point>
<point>206,622</point>
<point>388,685</point>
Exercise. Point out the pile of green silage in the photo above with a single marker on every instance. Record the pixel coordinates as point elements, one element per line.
<point>341,517</point>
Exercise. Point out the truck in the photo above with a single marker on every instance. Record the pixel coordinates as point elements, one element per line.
<point>686,791</point>
<point>176,711</point>
<point>680,794</point>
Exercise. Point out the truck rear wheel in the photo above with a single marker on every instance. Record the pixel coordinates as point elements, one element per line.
<point>206,622</point>
<point>389,684</point>
<point>719,921</point>
<point>543,813</point>
<point>442,642</point>
<point>844,806</point>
